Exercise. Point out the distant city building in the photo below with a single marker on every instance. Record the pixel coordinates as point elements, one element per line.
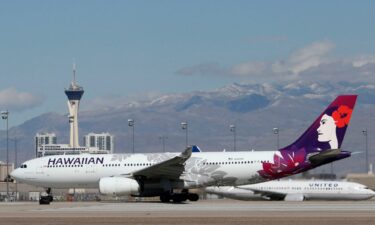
<point>46,143</point>
<point>65,149</point>
<point>103,141</point>
<point>44,139</point>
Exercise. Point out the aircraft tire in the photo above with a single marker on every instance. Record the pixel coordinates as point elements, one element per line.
<point>165,198</point>
<point>44,200</point>
<point>193,197</point>
<point>177,198</point>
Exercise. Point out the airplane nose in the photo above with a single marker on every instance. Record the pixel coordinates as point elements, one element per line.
<point>15,174</point>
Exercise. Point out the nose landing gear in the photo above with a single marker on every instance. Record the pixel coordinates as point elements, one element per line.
<point>46,197</point>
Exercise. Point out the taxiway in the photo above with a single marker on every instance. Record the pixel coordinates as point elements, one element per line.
<point>201,212</point>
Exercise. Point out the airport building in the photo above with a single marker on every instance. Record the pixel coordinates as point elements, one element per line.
<point>3,170</point>
<point>103,141</point>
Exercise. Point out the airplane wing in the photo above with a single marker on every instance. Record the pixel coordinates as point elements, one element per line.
<point>169,169</point>
<point>266,193</point>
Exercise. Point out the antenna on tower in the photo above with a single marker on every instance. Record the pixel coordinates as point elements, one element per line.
<point>74,72</point>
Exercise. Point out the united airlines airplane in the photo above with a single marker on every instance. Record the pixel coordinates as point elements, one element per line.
<point>161,174</point>
<point>296,190</point>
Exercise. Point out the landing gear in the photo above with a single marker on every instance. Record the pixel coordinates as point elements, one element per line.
<point>166,197</point>
<point>193,197</point>
<point>46,198</point>
<point>179,197</point>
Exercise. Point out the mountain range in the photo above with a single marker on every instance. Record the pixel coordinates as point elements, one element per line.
<point>255,109</point>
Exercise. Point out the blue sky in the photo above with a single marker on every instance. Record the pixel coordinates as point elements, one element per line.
<point>134,48</point>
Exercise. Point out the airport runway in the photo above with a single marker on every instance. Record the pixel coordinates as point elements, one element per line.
<point>201,212</point>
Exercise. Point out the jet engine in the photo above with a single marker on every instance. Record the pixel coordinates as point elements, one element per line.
<point>118,186</point>
<point>294,198</point>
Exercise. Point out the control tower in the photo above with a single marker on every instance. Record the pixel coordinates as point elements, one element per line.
<point>74,94</point>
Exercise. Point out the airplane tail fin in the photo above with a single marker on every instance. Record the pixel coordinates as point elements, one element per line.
<point>196,149</point>
<point>318,145</point>
<point>328,130</point>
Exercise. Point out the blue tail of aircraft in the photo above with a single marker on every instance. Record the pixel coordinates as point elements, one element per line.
<point>196,149</point>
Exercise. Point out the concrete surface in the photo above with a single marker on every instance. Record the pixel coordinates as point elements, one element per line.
<point>201,212</point>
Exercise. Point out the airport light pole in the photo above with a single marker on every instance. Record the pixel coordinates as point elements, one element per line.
<point>15,165</point>
<point>233,129</point>
<point>4,116</point>
<point>131,124</point>
<point>276,131</point>
<point>184,126</point>
<point>364,132</point>
<point>162,139</point>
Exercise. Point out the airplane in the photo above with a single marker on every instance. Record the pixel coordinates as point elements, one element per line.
<point>295,190</point>
<point>171,175</point>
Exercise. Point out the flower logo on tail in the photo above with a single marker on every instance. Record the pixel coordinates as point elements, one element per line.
<point>289,163</point>
<point>342,116</point>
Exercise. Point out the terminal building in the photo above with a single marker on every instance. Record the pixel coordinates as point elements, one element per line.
<point>5,169</point>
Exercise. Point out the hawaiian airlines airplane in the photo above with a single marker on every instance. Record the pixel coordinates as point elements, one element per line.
<point>161,174</point>
<point>296,190</point>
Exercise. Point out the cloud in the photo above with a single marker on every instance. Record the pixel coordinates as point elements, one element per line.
<point>305,58</point>
<point>363,60</point>
<point>300,60</point>
<point>310,62</point>
<point>203,69</point>
<point>14,100</point>
<point>244,69</point>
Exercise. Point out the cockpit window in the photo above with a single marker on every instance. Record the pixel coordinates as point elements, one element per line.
<point>23,166</point>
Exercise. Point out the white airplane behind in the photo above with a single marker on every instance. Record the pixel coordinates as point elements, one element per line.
<point>296,190</point>
<point>160,174</point>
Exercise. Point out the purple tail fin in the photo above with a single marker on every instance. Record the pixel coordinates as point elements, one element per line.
<point>328,130</point>
<point>320,144</point>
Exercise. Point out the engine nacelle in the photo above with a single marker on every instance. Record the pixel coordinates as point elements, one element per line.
<point>118,186</point>
<point>294,197</point>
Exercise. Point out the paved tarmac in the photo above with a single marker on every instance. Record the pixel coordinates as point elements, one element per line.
<point>201,212</point>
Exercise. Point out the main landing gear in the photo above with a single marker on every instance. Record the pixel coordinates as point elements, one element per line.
<point>46,198</point>
<point>179,197</point>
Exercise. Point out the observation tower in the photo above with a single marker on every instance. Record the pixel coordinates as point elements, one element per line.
<point>74,94</point>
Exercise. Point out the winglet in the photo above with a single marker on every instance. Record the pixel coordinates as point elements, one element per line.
<point>196,149</point>
<point>187,153</point>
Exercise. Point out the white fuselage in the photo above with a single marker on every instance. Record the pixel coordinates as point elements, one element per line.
<point>309,189</point>
<point>85,171</point>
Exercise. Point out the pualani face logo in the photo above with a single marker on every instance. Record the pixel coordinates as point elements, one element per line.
<point>327,132</point>
<point>330,122</point>
<point>75,161</point>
